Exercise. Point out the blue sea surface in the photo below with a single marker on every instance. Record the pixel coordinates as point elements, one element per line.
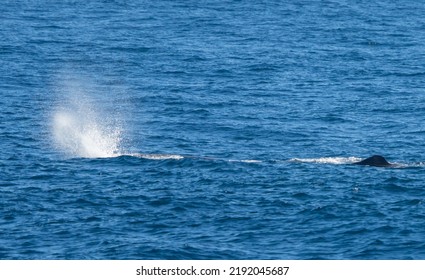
<point>211,129</point>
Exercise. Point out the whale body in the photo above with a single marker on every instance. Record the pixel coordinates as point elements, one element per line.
<point>376,160</point>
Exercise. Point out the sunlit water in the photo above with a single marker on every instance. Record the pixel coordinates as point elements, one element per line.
<point>211,130</point>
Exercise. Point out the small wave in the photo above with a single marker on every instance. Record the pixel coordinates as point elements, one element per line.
<point>179,157</point>
<point>156,156</point>
<point>415,164</point>
<point>327,160</point>
<point>251,161</point>
<point>246,160</point>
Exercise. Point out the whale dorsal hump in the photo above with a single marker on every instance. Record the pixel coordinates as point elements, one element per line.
<point>375,160</point>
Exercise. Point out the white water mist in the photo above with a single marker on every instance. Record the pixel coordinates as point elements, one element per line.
<point>81,128</point>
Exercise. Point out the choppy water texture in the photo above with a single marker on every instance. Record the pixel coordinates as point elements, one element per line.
<point>211,129</point>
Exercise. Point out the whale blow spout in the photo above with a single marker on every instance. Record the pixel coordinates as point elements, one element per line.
<point>376,160</point>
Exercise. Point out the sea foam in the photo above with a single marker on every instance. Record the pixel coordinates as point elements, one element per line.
<point>327,160</point>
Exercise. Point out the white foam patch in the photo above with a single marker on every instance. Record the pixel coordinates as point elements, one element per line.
<point>158,156</point>
<point>327,160</point>
<point>251,161</point>
<point>246,160</point>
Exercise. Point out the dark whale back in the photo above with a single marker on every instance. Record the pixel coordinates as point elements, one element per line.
<point>375,160</point>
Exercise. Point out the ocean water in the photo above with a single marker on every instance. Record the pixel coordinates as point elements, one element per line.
<point>211,129</point>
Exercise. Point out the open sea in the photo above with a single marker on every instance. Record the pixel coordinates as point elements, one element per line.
<point>216,129</point>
